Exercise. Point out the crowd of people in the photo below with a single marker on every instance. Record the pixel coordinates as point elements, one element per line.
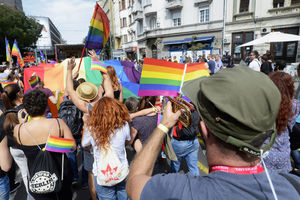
<point>249,123</point>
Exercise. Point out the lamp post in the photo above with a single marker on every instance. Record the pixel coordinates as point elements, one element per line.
<point>224,24</point>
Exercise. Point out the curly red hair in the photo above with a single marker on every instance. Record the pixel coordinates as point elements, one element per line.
<point>285,84</point>
<point>106,116</point>
<point>113,77</point>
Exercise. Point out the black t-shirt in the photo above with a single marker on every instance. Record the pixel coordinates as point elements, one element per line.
<point>266,68</point>
<point>145,126</point>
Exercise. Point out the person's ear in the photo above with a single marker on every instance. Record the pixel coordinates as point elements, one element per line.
<point>204,130</point>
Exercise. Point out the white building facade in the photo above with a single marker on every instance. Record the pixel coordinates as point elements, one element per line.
<point>251,19</point>
<point>168,28</point>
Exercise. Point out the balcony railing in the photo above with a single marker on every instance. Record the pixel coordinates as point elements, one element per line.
<point>175,4</point>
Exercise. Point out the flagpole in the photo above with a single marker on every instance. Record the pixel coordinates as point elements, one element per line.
<point>183,76</point>
<point>81,58</point>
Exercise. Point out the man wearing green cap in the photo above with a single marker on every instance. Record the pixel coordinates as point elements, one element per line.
<point>238,108</point>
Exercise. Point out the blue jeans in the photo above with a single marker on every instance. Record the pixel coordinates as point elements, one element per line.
<point>296,158</point>
<point>111,193</point>
<point>4,188</point>
<point>187,149</point>
<point>73,160</point>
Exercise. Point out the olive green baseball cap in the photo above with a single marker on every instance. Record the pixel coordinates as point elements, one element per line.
<point>238,105</point>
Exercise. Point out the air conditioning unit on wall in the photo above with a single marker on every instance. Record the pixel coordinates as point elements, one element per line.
<point>265,30</point>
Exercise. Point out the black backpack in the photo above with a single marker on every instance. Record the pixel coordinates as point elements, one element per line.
<point>72,116</point>
<point>183,133</point>
<point>44,176</point>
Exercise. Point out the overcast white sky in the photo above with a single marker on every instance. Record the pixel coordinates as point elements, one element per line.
<point>71,17</point>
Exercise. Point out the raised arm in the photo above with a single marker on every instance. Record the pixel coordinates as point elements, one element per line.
<point>80,104</point>
<point>121,94</point>
<point>143,164</point>
<point>107,86</point>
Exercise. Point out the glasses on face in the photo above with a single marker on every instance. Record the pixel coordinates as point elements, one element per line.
<point>252,55</point>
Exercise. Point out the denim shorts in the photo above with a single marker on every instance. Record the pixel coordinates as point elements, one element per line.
<point>4,188</point>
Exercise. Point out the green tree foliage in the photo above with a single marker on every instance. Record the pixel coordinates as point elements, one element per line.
<point>15,25</point>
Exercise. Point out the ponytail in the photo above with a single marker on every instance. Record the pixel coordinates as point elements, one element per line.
<point>10,95</point>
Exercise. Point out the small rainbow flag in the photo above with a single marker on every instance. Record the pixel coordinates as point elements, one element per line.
<point>8,51</point>
<point>16,52</point>
<point>6,82</point>
<point>98,31</point>
<point>194,71</point>
<point>160,78</point>
<point>33,81</point>
<point>59,145</point>
<point>99,65</point>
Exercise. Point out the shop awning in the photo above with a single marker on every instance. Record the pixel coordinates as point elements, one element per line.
<point>187,40</point>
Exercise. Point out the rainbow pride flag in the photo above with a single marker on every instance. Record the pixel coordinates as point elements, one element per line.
<point>16,52</point>
<point>160,78</point>
<point>8,51</point>
<point>194,71</point>
<point>6,82</point>
<point>99,65</point>
<point>33,81</point>
<point>98,31</point>
<point>42,56</point>
<point>59,145</point>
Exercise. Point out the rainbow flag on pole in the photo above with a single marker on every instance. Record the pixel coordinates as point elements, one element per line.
<point>98,31</point>
<point>194,71</point>
<point>16,52</point>
<point>99,65</point>
<point>8,51</point>
<point>160,78</point>
<point>42,57</point>
<point>59,145</point>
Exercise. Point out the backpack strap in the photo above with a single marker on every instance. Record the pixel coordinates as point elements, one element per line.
<point>19,133</point>
<point>32,138</point>
<point>292,181</point>
<point>58,127</point>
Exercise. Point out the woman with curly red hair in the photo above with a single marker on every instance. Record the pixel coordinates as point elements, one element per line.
<point>117,87</point>
<point>108,129</point>
<point>278,159</point>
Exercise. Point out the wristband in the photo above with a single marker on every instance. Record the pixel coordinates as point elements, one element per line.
<point>163,128</point>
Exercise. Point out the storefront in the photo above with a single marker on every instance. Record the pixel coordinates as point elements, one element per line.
<point>192,47</point>
<point>240,53</point>
<point>131,53</point>
<point>285,50</point>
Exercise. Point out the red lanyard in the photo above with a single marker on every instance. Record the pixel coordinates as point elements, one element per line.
<point>238,170</point>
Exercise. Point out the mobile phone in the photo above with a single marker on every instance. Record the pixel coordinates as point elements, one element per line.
<point>23,114</point>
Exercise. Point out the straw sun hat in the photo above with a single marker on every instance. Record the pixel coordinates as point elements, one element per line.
<point>87,91</point>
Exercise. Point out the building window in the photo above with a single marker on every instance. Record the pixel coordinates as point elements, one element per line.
<point>176,16</point>
<point>121,23</point>
<point>244,6</point>
<point>278,3</point>
<point>124,23</point>
<point>204,15</point>
<point>123,4</point>
<point>147,2</point>
<point>153,23</point>
<point>295,2</point>
<point>130,19</point>
<point>140,27</point>
<point>125,38</point>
